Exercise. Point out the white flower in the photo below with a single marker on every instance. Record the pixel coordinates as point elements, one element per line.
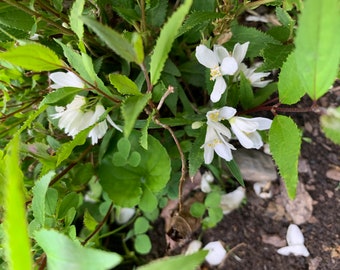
<point>65,79</point>
<point>217,136</point>
<point>245,130</point>
<point>295,242</point>
<point>71,118</point>
<point>255,78</point>
<point>220,63</point>
<point>216,253</point>
<point>232,200</point>
<point>206,179</point>
<point>124,214</point>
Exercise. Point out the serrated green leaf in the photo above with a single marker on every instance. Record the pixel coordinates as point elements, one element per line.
<point>274,55</point>
<point>16,18</point>
<point>131,108</point>
<point>142,244</point>
<point>70,200</point>
<point>124,184</point>
<point>61,96</point>
<point>284,17</point>
<point>124,85</point>
<point>246,92</point>
<point>330,124</point>
<point>89,221</point>
<point>137,43</point>
<point>285,142</point>
<point>51,200</point>
<point>33,56</point>
<point>196,157</point>
<point>144,137</point>
<point>63,253</point>
<point>187,262</point>
<point>113,40</point>
<point>8,34</point>
<point>76,24</point>
<point>165,40</point>
<point>290,86</point>
<point>16,241</point>
<point>39,197</point>
<point>196,18</point>
<point>317,45</point>
<point>258,39</point>
<point>155,15</point>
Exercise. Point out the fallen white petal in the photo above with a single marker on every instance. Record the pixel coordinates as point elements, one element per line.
<point>259,190</point>
<point>296,250</point>
<point>294,235</point>
<point>216,253</point>
<point>232,200</point>
<point>193,247</point>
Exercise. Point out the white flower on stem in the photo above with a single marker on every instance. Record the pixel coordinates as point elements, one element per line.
<point>216,253</point>
<point>100,128</point>
<point>220,63</point>
<point>71,118</point>
<point>255,78</point>
<point>295,242</point>
<point>206,179</point>
<point>218,135</point>
<point>65,79</point>
<point>245,130</point>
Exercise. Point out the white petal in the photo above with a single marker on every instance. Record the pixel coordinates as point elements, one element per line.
<point>224,151</point>
<point>297,250</point>
<point>205,186</point>
<point>207,176</point>
<point>232,200</point>
<point>220,52</point>
<point>124,214</point>
<point>216,253</point>
<point>240,51</point>
<point>226,112</point>
<point>294,235</point>
<point>193,247</point>
<point>206,57</point>
<point>255,137</point>
<point>261,122</point>
<point>108,118</point>
<point>242,137</point>
<point>261,84</point>
<point>219,87</point>
<point>68,79</point>
<point>229,66</point>
<point>220,129</point>
<point>208,154</point>
<point>245,124</point>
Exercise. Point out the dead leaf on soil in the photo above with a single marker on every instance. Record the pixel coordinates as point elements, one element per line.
<point>313,264</point>
<point>301,208</point>
<point>273,240</point>
<point>334,173</point>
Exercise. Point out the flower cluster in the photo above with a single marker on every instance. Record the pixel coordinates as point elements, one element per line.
<point>218,135</point>
<point>221,63</point>
<point>75,117</point>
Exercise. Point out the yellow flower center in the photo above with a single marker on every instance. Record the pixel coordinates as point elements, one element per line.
<point>215,73</point>
<point>214,142</point>
<point>213,116</point>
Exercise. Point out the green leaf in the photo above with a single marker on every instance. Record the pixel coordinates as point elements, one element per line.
<point>246,92</point>
<point>196,156</point>
<point>317,45</point>
<point>156,14</point>
<point>148,201</point>
<point>142,244</point>
<point>197,209</point>
<point>16,18</point>
<point>258,39</point>
<point>196,18</point>
<point>113,40</point>
<point>51,200</point>
<point>187,262</point>
<point>131,108</point>
<point>290,85</point>
<point>76,23</point>
<point>285,142</point>
<point>235,171</point>
<point>61,96</point>
<point>330,124</point>
<point>16,241</point>
<point>124,184</point>
<point>124,85</point>
<point>72,199</point>
<point>137,43</point>
<point>39,197</point>
<point>213,199</point>
<point>89,221</point>
<point>33,56</point>
<point>141,225</point>
<point>165,40</point>
<point>275,55</point>
<point>63,253</point>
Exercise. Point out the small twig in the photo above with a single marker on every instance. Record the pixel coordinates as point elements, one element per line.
<point>165,95</point>
<point>147,78</point>
<point>100,225</point>
<point>231,251</point>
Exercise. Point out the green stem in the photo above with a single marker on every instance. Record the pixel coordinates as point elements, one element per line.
<point>37,15</point>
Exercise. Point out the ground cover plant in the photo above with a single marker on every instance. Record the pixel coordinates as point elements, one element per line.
<point>109,108</point>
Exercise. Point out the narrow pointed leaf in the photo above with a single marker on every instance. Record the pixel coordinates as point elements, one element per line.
<point>165,40</point>
<point>76,24</point>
